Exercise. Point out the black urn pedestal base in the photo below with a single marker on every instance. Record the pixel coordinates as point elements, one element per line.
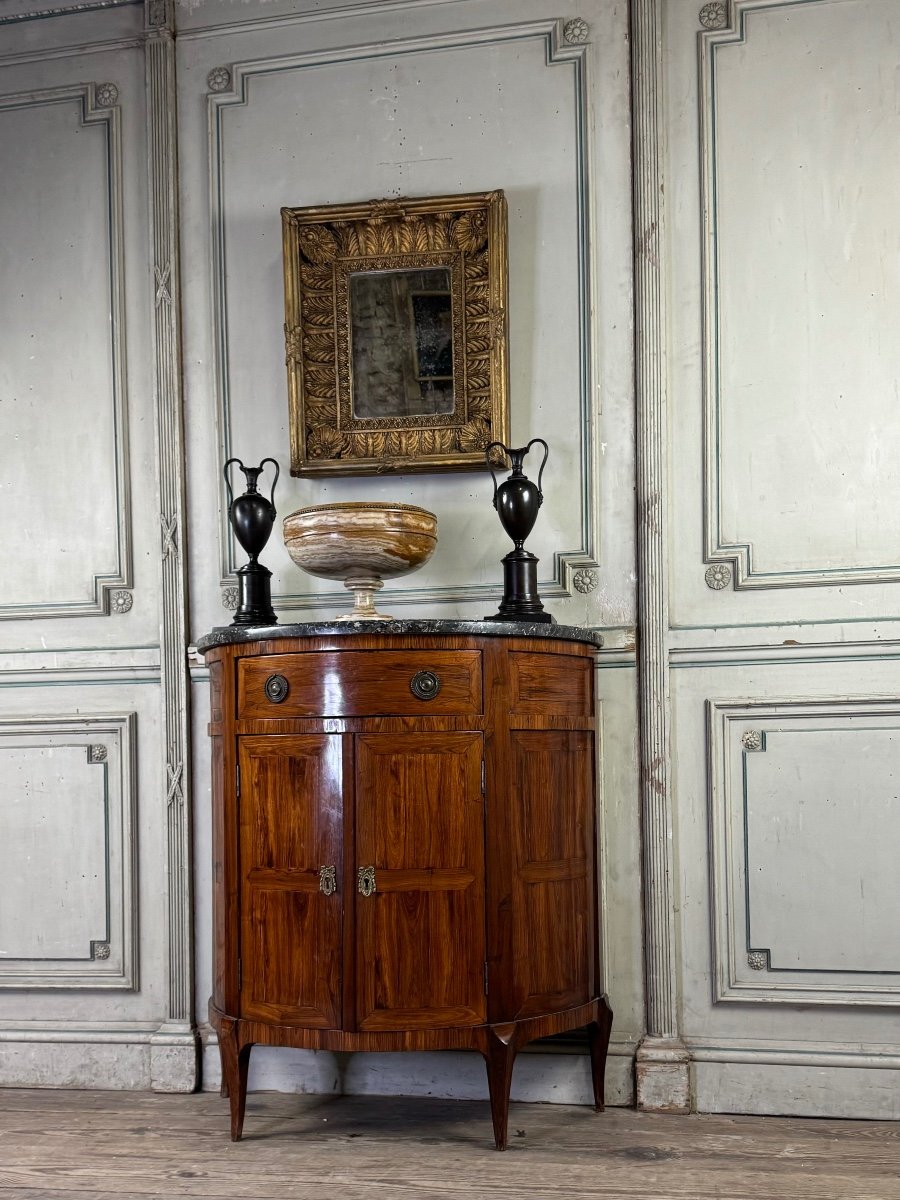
<point>521,601</point>
<point>254,596</point>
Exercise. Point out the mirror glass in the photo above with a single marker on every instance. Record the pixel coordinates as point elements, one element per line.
<point>401,343</point>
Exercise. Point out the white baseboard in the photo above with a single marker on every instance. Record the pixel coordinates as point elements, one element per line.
<point>119,1065</point>
<point>129,1058</point>
<point>795,1090</point>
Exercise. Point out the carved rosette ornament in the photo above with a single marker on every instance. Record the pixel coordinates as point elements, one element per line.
<point>758,960</point>
<point>101,950</point>
<point>106,94</point>
<point>575,32</point>
<point>97,754</point>
<point>718,576</point>
<point>122,601</point>
<point>714,15</point>
<point>752,740</point>
<point>230,598</point>
<point>584,580</point>
<point>219,79</point>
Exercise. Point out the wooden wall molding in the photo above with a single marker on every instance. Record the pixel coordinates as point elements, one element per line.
<point>792,1053</point>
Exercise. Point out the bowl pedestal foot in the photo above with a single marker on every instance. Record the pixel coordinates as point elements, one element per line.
<point>363,588</point>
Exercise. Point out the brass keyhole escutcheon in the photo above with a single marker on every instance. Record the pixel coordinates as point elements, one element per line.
<point>327,881</point>
<point>365,881</point>
<point>425,685</point>
<point>276,688</point>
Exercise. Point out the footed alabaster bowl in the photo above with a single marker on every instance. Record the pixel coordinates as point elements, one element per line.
<point>361,544</point>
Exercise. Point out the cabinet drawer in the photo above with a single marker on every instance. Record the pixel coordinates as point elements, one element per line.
<point>360,683</point>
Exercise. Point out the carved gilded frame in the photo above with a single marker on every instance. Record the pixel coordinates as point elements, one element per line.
<point>324,247</point>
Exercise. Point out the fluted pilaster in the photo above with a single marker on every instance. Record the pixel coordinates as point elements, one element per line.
<point>662,1062</point>
<point>174,1059</point>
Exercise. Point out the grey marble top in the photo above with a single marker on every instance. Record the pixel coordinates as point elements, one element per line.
<point>230,634</point>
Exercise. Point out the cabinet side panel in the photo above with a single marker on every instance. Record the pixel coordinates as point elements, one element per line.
<point>290,829</point>
<point>553,894</point>
<point>420,827</point>
<point>220,897</point>
<point>224,830</point>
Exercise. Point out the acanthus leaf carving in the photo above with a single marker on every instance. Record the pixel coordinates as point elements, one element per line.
<point>327,246</point>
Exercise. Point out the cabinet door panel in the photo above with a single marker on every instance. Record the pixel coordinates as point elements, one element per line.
<point>553,835</point>
<point>290,827</point>
<point>420,936</point>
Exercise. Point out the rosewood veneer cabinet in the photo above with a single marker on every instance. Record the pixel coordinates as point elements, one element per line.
<point>404,842</point>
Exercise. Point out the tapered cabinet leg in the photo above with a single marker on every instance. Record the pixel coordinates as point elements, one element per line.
<point>235,1064</point>
<point>598,1041</point>
<point>500,1055</point>
<point>223,1037</point>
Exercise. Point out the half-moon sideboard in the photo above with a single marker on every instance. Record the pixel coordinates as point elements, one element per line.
<point>404,842</point>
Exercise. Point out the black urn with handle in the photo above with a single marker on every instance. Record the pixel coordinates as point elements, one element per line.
<point>252,517</point>
<point>517,501</point>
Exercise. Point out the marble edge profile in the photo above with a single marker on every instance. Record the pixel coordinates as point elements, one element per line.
<point>227,635</point>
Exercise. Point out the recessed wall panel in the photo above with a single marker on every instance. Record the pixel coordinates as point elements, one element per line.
<point>802,292</point>
<point>805,821</point>
<point>61,371</point>
<point>68,904</point>
<point>56,904</point>
<point>399,124</point>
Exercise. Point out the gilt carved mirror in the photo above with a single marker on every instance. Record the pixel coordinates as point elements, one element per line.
<point>395,328</point>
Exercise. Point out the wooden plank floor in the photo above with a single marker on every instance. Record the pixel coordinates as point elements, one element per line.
<point>61,1145</point>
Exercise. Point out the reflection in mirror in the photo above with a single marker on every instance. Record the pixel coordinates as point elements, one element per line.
<point>401,343</point>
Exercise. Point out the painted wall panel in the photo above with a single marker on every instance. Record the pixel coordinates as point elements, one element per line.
<point>802,292</point>
<point>819,830</point>
<point>784,639</point>
<point>83,487</point>
<point>728,1001</point>
<point>803,802</point>
<point>785,299</point>
<point>424,99</point>
<point>80,490</point>
<point>69,914</point>
<point>119,711</point>
<point>63,328</point>
<point>399,123</point>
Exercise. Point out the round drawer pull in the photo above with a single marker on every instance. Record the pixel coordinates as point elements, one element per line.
<point>425,685</point>
<point>276,688</point>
